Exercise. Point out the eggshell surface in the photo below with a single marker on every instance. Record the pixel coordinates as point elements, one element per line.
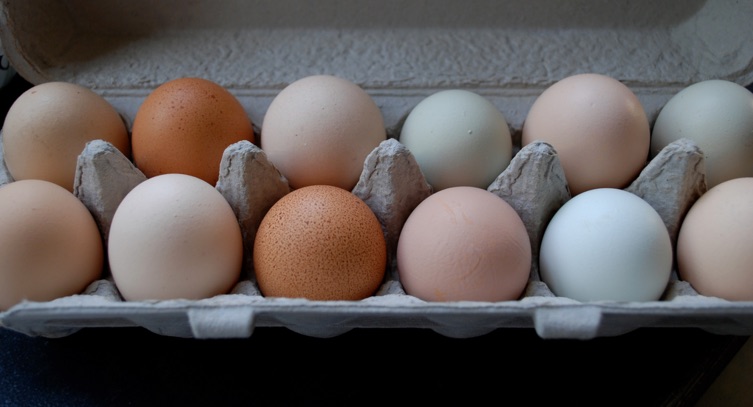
<point>174,236</point>
<point>464,244</point>
<point>320,242</point>
<point>184,127</point>
<point>718,116</point>
<point>48,126</point>
<point>598,128</point>
<point>715,242</point>
<point>319,129</point>
<point>606,244</point>
<point>459,138</point>
<point>50,246</point>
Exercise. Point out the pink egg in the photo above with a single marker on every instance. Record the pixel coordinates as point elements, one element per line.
<point>464,244</point>
<point>598,127</point>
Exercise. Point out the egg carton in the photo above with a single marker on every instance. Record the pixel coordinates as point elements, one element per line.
<point>399,52</point>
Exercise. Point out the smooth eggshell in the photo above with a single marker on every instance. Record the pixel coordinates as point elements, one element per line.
<point>459,138</point>
<point>715,242</point>
<point>464,244</point>
<point>184,127</point>
<point>320,242</point>
<point>718,116</point>
<point>606,244</point>
<point>598,128</point>
<point>319,129</point>
<point>50,246</point>
<point>174,236</point>
<point>48,126</point>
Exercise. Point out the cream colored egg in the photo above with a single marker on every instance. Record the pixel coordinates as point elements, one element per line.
<point>174,236</point>
<point>50,246</point>
<point>319,130</point>
<point>48,126</point>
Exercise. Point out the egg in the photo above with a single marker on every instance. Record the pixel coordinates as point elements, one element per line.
<point>598,128</point>
<point>48,125</point>
<point>320,242</point>
<point>606,244</point>
<point>50,246</point>
<point>459,138</point>
<point>184,126</point>
<point>174,236</point>
<point>718,116</point>
<point>319,129</point>
<point>464,244</point>
<point>715,242</point>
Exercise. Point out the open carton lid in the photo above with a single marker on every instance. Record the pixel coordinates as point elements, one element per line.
<point>400,52</point>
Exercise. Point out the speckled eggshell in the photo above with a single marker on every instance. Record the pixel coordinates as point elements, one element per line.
<point>50,245</point>
<point>598,128</point>
<point>715,242</point>
<point>184,127</point>
<point>320,242</point>
<point>464,244</point>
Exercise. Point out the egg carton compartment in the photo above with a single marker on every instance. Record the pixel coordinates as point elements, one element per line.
<point>399,52</point>
<point>392,185</point>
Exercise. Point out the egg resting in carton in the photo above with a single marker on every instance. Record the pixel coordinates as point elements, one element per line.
<point>392,185</point>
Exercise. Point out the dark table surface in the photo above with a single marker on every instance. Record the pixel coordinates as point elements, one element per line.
<point>275,366</point>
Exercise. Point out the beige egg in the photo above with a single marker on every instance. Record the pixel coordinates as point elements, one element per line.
<point>320,242</point>
<point>319,130</point>
<point>598,128</point>
<point>174,236</point>
<point>715,242</point>
<point>48,126</point>
<point>50,246</point>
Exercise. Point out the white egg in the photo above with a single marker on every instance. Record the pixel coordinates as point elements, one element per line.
<point>606,244</point>
<point>718,116</point>
<point>458,138</point>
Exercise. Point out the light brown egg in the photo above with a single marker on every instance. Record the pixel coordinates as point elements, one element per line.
<point>320,242</point>
<point>185,125</point>
<point>48,126</point>
<point>715,242</point>
<point>598,127</point>
<point>50,246</point>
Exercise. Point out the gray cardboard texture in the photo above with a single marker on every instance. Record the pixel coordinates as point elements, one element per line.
<point>399,52</point>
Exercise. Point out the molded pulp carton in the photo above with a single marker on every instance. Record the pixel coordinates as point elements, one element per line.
<point>400,52</point>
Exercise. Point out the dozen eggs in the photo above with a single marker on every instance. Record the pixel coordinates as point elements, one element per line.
<point>175,236</point>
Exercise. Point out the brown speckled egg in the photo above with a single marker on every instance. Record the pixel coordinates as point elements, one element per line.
<point>320,242</point>
<point>185,125</point>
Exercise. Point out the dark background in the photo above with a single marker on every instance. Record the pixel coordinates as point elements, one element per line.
<point>275,366</point>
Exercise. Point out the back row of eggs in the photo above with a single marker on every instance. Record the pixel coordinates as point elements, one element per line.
<point>292,115</point>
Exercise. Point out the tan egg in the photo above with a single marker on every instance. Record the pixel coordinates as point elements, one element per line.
<point>598,128</point>
<point>174,236</point>
<point>48,126</point>
<point>184,127</point>
<point>50,246</point>
<point>320,242</point>
<point>319,130</point>
<point>715,242</point>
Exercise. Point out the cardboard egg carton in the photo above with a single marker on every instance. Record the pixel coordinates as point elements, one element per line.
<point>399,52</point>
